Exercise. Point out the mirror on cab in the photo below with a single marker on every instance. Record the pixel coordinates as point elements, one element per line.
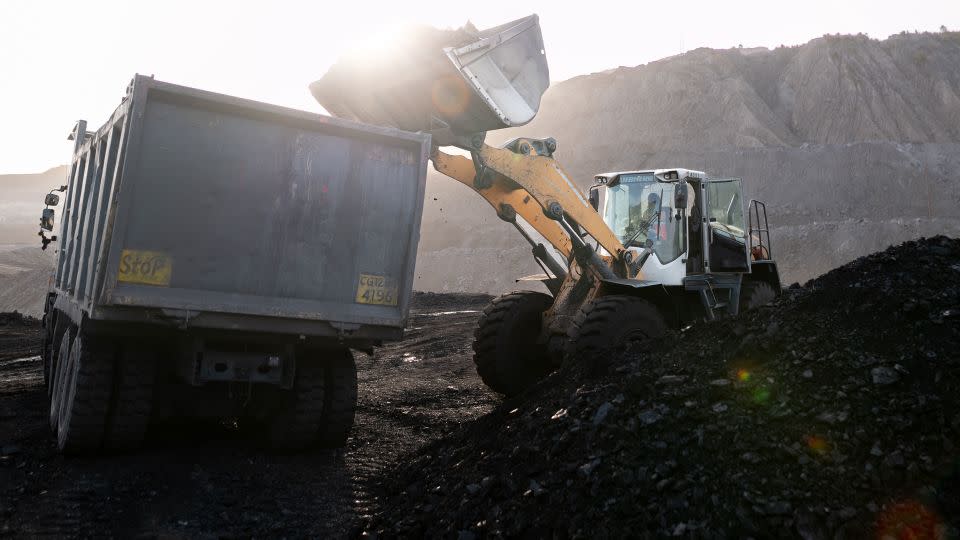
<point>46,219</point>
<point>680,196</point>
<point>594,198</point>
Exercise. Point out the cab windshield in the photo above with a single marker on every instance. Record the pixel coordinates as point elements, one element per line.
<point>638,209</point>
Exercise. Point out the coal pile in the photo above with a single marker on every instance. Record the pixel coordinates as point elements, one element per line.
<point>401,84</point>
<point>15,318</point>
<point>832,413</point>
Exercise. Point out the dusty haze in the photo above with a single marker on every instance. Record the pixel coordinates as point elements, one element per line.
<point>854,144</point>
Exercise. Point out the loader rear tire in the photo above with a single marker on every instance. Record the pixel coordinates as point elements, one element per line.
<point>87,387</point>
<point>339,400</point>
<point>133,397</point>
<point>608,322</point>
<point>299,410</point>
<point>507,353</point>
<point>754,294</point>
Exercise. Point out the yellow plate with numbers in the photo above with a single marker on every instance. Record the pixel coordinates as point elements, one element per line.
<point>379,290</point>
<point>145,267</point>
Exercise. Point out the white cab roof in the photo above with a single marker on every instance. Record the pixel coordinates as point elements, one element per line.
<point>665,175</point>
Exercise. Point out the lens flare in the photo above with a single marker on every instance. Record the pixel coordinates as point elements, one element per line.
<point>761,395</point>
<point>743,375</point>
<point>908,520</point>
<point>817,444</point>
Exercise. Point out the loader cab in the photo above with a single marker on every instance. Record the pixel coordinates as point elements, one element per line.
<point>725,231</point>
<point>679,221</point>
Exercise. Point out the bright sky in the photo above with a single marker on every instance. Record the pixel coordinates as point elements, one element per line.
<point>61,61</point>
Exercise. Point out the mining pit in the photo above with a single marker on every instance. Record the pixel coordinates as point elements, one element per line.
<point>832,413</point>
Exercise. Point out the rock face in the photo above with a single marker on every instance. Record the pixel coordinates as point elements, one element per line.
<point>833,90</point>
<point>832,413</point>
<point>24,275</point>
<point>853,143</point>
<point>21,200</point>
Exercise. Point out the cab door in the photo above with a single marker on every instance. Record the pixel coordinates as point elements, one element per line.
<point>725,234</point>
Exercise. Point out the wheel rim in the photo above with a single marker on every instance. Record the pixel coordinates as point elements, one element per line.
<point>69,391</point>
<point>56,393</point>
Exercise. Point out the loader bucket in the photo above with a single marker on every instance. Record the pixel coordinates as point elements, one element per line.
<point>454,84</point>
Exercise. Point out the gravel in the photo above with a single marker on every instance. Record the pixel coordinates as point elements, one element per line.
<point>212,480</point>
<point>838,417</point>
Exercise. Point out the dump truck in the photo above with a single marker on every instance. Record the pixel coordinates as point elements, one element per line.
<point>633,254</point>
<point>220,257</point>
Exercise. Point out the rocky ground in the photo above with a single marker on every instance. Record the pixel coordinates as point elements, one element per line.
<point>24,274</point>
<point>201,480</point>
<point>834,413</point>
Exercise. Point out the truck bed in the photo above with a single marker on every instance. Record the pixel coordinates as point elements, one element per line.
<point>198,209</point>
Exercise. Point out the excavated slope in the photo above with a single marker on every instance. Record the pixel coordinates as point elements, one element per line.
<point>832,413</point>
<point>853,143</point>
<point>833,90</point>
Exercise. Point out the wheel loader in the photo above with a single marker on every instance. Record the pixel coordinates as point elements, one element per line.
<point>640,252</point>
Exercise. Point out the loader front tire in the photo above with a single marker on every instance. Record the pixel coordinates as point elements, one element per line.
<point>608,322</point>
<point>507,353</point>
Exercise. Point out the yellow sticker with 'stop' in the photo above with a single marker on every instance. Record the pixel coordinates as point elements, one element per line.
<point>145,267</point>
<point>378,290</point>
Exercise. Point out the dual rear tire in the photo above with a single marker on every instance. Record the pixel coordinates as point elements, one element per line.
<point>100,393</point>
<point>321,406</point>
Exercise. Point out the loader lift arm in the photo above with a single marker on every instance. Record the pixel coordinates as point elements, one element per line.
<point>460,85</point>
<point>523,179</point>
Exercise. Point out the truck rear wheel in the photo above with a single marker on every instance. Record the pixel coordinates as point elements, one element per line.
<point>59,325</point>
<point>133,397</point>
<point>610,321</point>
<point>60,359</point>
<point>507,353</point>
<point>754,294</point>
<point>340,399</point>
<point>47,349</point>
<point>296,420</point>
<point>87,386</point>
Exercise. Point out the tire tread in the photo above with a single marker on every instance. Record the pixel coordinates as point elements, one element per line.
<point>495,357</point>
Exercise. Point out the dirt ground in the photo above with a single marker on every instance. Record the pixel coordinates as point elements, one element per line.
<point>833,413</point>
<point>201,480</point>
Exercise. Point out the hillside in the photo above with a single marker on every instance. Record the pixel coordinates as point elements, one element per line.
<point>853,143</point>
<point>21,199</point>
<point>24,268</point>
<point>24,273</point>
<point>833,90</point>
